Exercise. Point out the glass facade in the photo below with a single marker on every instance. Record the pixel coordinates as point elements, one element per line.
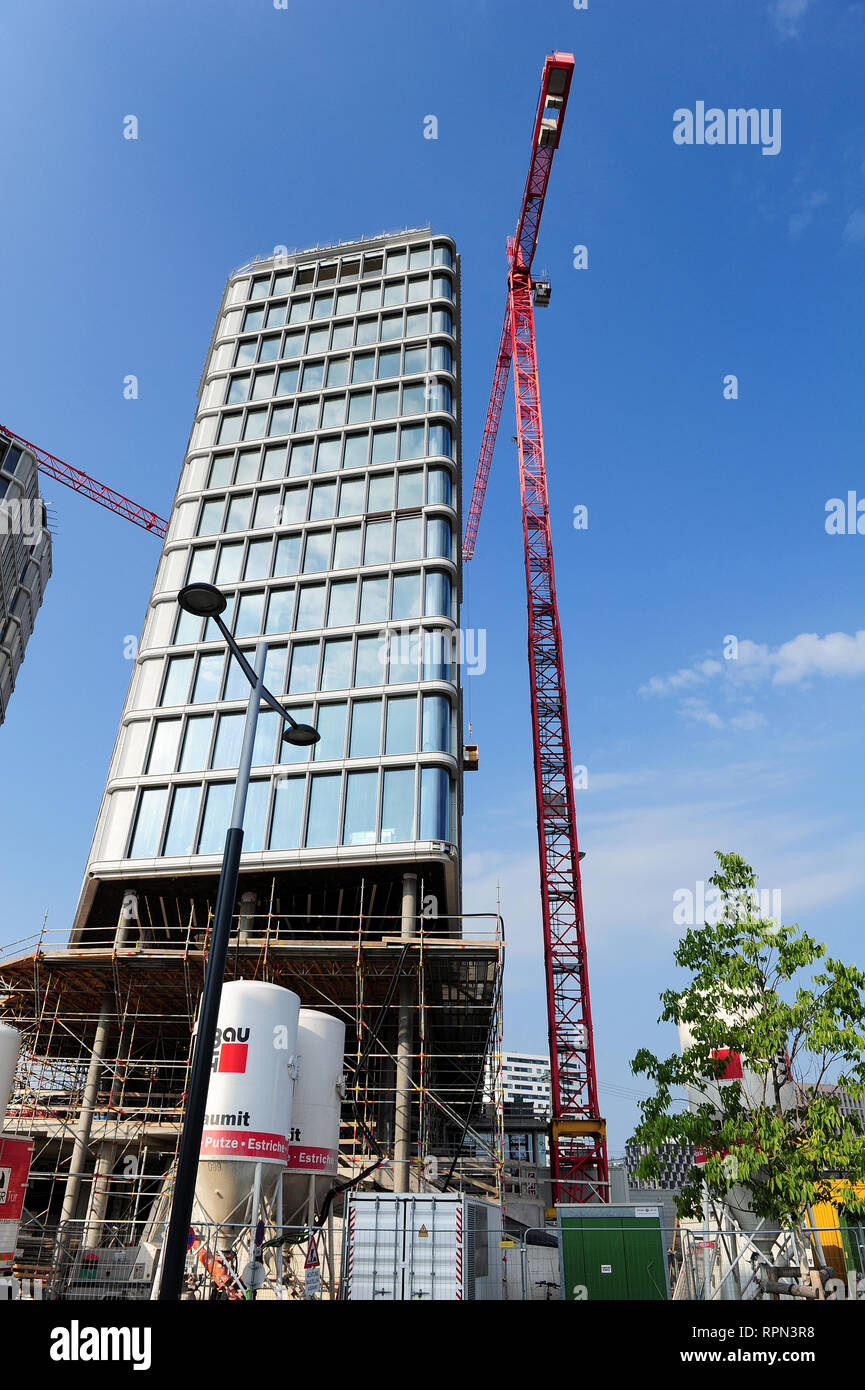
<point>320,493</point>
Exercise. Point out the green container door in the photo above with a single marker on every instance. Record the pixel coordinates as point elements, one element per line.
<point>644,1243</point>
<point>613,1257</point>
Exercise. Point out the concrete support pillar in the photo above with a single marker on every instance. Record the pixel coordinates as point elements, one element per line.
<point>246,918</point>
<point>99,1194</point>
<point>404,1047</point>
<point>85,1117</point>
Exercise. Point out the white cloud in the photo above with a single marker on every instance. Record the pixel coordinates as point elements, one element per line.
<point>854,232</point>
<point>804,656</point>
<point>787,14</point>
<point>836,654</point>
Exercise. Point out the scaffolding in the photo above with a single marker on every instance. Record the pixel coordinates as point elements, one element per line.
<point>106,1042</point>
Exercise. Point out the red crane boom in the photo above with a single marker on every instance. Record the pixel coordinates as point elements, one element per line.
<point>97,492</point>
<point>578,1134</point>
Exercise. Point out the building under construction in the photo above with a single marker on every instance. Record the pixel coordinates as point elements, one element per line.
<point>320,493</point>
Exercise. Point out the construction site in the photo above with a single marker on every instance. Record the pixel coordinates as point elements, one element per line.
<point>106,1046</point>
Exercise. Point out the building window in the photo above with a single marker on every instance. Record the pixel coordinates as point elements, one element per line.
<point>323,810</point>
<point>180,836</point>
<point>287,813</point>
<point>336,668</point>
<point>436,724</point>
<point>437,597</point>
<point>163,750</point>
<point>217,813</point>
<point>397,815</point>
<point>255,817</point>
<point>434,804</point>
<point>406,596</point>
<point>145,838</point>
<point>401,732</point>
<point>439,490</point>
<point>176,686</point>
<point>370,664</point>
<point>310,608</point>
<point>341,604</point>
<point>361,808</point>
<point>196,742</point>
<point>207,680</point>
<point>365,729</point>
<point>330,723</point>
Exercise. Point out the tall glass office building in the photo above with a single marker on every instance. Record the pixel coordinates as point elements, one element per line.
<point>320,493</point>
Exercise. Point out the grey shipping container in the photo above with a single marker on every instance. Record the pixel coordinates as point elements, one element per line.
<point>421,1247</point>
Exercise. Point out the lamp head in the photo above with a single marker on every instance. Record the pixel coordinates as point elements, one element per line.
<point>204,600</point>
<point>301,734</point>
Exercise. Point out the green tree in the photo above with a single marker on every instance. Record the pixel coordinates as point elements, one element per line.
<point>752,990</point>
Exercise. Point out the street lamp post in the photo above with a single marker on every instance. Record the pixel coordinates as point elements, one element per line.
<point>204,600</point>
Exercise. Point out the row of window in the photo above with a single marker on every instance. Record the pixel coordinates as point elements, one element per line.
<point>364,728</point>
<point>395,597</point>
<point>388,295</point>
<point>395,657</point>
<point>349,268</point>
<point>329,548</point>
<point>365,332</point>
<point>373,492</point>
<point>358,370</point>
<point>317,551</point>
<point>331,412</point>
<point>351,450</point>
<point>312,812</point>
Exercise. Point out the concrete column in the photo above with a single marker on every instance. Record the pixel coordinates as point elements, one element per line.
<point>404,1047</point>
<point>85,1116</point>
<point>99,1193</point>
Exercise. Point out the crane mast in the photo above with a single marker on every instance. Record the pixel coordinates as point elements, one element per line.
<point>578,1134</point>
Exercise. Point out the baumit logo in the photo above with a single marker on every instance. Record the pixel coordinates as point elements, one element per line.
<point>230,1050</point>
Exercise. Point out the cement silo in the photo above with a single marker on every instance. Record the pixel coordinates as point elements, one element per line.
<point>756,1088</point>
<point>313,1149</point>
<point>10,1042</point>
<point>244,1143</point>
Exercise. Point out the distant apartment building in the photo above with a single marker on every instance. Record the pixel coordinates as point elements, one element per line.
<point>526,1079</point>
<point>25,559</point>
<point>676,1162</point>
<point>849,1105</point>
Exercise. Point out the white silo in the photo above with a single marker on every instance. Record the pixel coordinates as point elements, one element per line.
<point>757,1088</point>
<point>10,1042</point>
<point>244,1143</point>
<point>313,1149</point>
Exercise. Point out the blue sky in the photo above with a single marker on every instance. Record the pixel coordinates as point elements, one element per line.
<point>260,127</point>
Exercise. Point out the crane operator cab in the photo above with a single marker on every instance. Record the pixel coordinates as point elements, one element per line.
<point>541,290</point>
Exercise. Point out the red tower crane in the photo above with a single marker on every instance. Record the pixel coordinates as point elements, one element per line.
<point>97,492</point>
<point>578,1135</point>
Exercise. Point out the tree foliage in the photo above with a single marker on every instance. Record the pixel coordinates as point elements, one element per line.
<point>796,1017</point>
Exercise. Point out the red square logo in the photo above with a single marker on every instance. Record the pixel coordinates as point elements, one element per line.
<point>232,1057</point>
<point>733,1071</point>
